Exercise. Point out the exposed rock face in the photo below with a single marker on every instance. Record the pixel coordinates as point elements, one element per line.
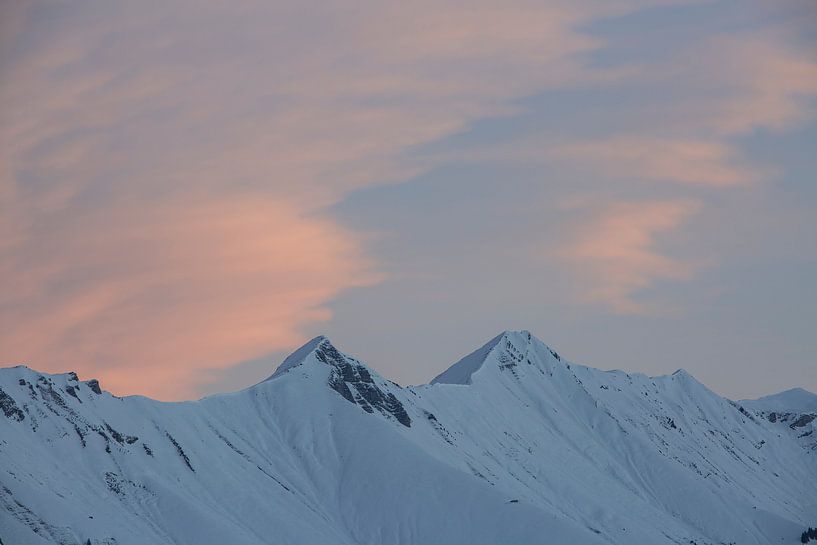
<point>802,420</point>
<point>794,411</point>
<point>510,445</point>
<point>354,382</point>
<point>93,384</point>
<point>9,407</point>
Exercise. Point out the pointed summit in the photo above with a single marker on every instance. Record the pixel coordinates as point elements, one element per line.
<point>348,377</point>
<point>684,377</point>
<point>300,355</point>
<point>460,372</point>
<point>319,350</point>
<point>505,350</point>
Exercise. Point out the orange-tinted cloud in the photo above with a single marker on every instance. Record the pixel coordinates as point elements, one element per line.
<point>145,294</point>
<point>124,125</point>
<point>688,161</point>
<point>615,255</point>
<point>165,170</point>
<point>731,85</point>
<point>768,83</point>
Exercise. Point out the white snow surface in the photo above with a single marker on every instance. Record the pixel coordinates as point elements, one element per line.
<point>796,400</point>
<point>512,445</point>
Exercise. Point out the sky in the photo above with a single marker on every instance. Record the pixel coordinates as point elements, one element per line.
<point>191,190</point>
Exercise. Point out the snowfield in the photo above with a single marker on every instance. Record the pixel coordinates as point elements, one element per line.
<point>511,445</point>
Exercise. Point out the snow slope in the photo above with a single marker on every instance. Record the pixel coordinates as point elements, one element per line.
<point>794,400</point>
<point>794,411</point>
<point>511,445</point>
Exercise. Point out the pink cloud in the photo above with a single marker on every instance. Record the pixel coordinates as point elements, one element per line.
<point>732,85</point>
<point>615,256</point>
<point>145,294</point>
<point>766,83</point>
<point>680,160</point>
<point>163,189</point>
<point>721,88</point>
<point>156,177</point>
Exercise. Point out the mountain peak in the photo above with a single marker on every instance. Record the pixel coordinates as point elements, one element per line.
<point>301,354</point>
<point>348,377</point>
<point>682,374</point>
<point>685,380</point>
<point>792,400</point>
<point>508,347</point>
<point>319,452</point>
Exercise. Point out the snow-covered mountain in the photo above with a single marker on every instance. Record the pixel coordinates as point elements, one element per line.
<point>511,445</point>
<point>794,400</point>
<point>794,411</point>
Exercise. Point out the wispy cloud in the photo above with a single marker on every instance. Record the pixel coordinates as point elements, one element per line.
<point>617,254</point>
<point>766,82</point>
<point>689,161</point>
<point>170,166</point>
<point>145,295</point>
<point>166,169</point>
<point>717,91</point>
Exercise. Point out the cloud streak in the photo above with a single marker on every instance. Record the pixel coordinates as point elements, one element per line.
<point>144,295</point>
<point>701,162</point>
<point>732,86</point>
<point>616,252</point>
<point>167,168</point>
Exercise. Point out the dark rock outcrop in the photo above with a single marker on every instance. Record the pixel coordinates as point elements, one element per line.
<point>10,408</point>
<point>354,382</point>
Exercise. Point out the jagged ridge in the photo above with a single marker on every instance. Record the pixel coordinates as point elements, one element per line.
<point>326,450</point>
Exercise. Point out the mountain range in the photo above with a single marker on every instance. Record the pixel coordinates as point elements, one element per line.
<point>511,445</point>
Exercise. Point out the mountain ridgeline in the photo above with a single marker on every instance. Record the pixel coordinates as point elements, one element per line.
<point>511,445</point>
